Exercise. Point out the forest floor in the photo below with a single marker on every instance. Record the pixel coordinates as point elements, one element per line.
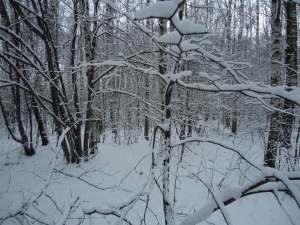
<point>117,173</point>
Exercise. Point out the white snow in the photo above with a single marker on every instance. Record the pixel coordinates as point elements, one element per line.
<point>179,75</point>
<point>170,38</point>
<point>175,49</point>
<point>187,46</point>
<point>251,87</point>
<point>186,26</point>
<point>158,10</point>
<point>119,178</point>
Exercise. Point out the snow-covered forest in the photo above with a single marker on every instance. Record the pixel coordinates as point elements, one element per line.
<point>149,112</point>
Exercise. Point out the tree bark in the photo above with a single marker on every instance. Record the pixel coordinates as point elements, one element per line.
<point>89,56</point>
<point>257,41</point>
<point>274,133</point>
<point>146,110</point>
<point>291,71</point>
<point>41,125</point>
<point>26,142</point>
<point>168,212</point>
<point>77,127</point>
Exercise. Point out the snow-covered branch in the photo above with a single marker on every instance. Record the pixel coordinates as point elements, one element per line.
<point>66,213</point>
<point>290,93</point>
<point>230,195</point>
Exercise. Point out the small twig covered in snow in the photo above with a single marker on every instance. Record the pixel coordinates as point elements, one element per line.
<point>65,215</point>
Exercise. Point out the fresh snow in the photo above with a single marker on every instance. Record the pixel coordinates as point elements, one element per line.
<point>179,75</point>
<point>119,178</point>
<point>167,10</point>
<point>187,46</point>
<point>157,10</point>
<point>170,38</point>
<point>187,27</point>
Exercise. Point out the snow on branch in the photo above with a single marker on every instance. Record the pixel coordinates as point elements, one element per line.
<point>278,198</point>
<point>112,67</point>
<point>204,6</point>
<point>176,76</point>
<point>270,172</point>
<point>217,199</point>
<point>290,93</point>
<point>187,27</point>
<point>68,209</point>
<point>121,210</point>
<point>170,38</point>
<point>163,10</point>
<point>230,195</point>
<point>147,102</point>
<point>129,16</point>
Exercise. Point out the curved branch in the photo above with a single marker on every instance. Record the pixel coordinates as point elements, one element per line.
<point>289,93</point>
<point>214,141</point>
<point>217,200</point>
<point>230,195</point>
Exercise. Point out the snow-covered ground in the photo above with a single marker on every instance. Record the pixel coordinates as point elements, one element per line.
<point>43,186</point>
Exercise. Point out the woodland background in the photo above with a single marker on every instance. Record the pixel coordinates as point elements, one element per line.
<point>172,75</point>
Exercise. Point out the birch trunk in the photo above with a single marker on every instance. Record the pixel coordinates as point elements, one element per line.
<point>273,139</point>
<point>168,212</point>
<point>90,73</point>
<point>291,70</point>
<point>165,93</point>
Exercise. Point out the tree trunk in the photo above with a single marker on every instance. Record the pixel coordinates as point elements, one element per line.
<point>168,212</point>
<point>27,143</point>
<point>162,66</point>
<point>165,94</point>
<point>96,130</point>
<point>90,48</point>
<point>273,139</point>
<point>228,21</point>
<point>257,41</point>
<point>77,127</point>
<point>228,49</point>
<point>234,114</point>
<point>41,125</point>
<point>92,119</point>
<point>291,70</point>
<point>146,111</point>
<point>8,115</point>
